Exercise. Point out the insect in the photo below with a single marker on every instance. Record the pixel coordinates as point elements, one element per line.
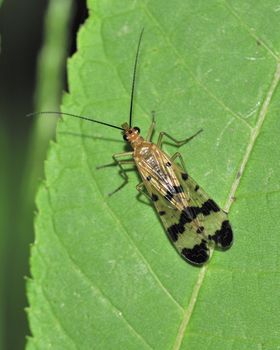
<point>192,220</point>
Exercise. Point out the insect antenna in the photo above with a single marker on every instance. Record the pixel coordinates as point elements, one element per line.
<point>98,121</point>
<point>75,116</point>
<point>133,79</point>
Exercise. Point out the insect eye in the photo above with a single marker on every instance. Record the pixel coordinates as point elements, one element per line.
<point>137,129</point>
<point>125,137</point>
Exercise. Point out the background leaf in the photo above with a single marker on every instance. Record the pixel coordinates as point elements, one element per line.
<point>3,186</point>
<point>17,61</point>
<point>21,164</point>
<point>3,226</point>
<point>104,274</point>
<point>50,80</point>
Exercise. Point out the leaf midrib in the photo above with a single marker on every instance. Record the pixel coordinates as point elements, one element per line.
<point>254,135</point>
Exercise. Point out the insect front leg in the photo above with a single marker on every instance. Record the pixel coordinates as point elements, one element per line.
<point>151,128</point>
<point>177,142</point>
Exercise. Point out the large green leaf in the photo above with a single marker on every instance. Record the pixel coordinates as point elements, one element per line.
<point>104,273</point>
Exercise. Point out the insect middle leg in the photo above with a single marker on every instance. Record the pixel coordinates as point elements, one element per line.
<point>120,163</point>
<point>177,142</point>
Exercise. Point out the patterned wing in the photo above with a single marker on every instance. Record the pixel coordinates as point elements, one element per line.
<point>211,221</point>
<point>192,220</point>
<point>181,230</point>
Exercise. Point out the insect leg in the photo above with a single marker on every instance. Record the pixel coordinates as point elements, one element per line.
<point>178,155</point>
<point>120,162</point>
<point>151,128</point>
<point>140,188</point>
<point>177,142</point>
<point>123,154</point>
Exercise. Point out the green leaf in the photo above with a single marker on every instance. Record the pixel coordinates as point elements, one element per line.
<point>104,274</point>
<point>48,94</point>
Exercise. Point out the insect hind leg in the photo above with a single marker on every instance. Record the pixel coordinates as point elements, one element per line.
<point>140,188</point>
<point>178,155</point>
<point>178,143</point>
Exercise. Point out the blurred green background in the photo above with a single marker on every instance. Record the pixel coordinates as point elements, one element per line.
<point>36,39</point>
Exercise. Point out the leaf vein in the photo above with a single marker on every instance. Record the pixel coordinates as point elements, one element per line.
<point>188,70</point>
<point>55,317</point>
<point>96,289</point>
<point>250,31</point>
<point>254,135</point>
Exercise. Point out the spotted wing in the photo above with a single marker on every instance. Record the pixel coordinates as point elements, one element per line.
<point>168,196</point>
<point>192,220</point>
<point>211,221</point>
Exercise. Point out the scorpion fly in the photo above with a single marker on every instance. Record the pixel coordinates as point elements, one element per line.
<point>192,220</point>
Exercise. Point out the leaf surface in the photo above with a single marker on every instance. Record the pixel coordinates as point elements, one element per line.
<point>104,273</point>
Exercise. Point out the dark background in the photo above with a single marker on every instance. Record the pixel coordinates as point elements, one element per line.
<point>22,35</point>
